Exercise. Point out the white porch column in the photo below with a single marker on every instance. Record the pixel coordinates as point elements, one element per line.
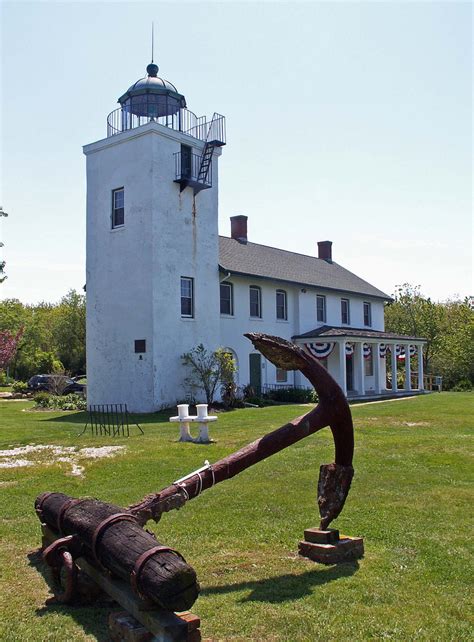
<point>421,385</point>
<point>407,368</point>
<point>394,367</point>
<point>342,366</point>
<point>376,362</point>
<point>359,370</point>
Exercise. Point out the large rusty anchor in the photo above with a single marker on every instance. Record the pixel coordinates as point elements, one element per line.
<point>113,540</point>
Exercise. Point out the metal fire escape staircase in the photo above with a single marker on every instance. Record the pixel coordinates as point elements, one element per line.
<point>199,172</point>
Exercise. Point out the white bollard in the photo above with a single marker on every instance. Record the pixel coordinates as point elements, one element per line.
<point>183,410</point>
<point>202,418</point>
<point>202,411</point>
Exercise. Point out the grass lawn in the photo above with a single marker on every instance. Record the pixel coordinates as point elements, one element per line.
<point>411,500</point>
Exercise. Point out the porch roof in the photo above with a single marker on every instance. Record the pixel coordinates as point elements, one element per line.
<point>335,332</point>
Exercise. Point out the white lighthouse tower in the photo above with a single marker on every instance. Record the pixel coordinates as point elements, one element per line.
<point>152,245</point>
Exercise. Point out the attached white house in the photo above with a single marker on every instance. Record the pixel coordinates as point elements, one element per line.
<point>160,280</point>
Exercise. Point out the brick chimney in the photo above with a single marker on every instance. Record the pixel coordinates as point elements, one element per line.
<point>238,228</point>
<point>325,250</point>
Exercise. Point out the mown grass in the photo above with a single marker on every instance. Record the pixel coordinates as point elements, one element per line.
<point>411,500</point>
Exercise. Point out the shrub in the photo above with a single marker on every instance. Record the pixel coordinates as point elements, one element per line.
<point>462,386</point>
<point>41,400</point>
<point>19,387</point>
<point>53,402</point>
<point>4,379</point>
<point>293,395</point>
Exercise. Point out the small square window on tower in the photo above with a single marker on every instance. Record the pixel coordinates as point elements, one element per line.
<point>140,346</point>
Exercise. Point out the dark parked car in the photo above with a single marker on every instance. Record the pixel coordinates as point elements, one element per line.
<point>49,382</point>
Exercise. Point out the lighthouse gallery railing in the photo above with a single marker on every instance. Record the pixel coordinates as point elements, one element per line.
<point>185,121</point>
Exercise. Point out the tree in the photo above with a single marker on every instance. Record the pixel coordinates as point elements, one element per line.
<point>413,314</point>
<point>448,327</point>
<point>454,357</point>
<point>69,331</point>
<point>208,369</point>
<point>8,346</point>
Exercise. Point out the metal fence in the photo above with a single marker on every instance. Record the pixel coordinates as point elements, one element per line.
<point>183,120</point>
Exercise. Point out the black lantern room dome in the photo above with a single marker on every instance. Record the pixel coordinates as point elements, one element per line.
<point>152,96</point>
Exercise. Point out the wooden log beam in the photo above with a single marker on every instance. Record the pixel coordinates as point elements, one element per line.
<point>332,410</point>
<point>112,539</point>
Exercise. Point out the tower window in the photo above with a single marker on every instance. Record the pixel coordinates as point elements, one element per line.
<point>345,311</point>
<point>118,207</point>
<point>255,301</point>
<point>321,308</point>
<point>367,314</point>
<point>227,303</point>
<point>187,297</point>
<point>281,305</point>
<point>186,161</point>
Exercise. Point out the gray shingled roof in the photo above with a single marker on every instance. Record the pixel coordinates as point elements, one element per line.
<point>252,259</point>
<point>334,332</point>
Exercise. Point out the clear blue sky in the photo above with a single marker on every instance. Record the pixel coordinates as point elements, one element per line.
<point>347,121</point>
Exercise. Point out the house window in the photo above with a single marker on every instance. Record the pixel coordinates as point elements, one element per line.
<point>281,306</point>
<point>140,346</point>
<point>321,308</point>
<point>345,311</point>
<point>227,303</point>
<point>187,297</point>
<point>281,375</point>
<point>369,365</point>
<point>367,314</point>
<point>118,210</point>
<point>255,301</point>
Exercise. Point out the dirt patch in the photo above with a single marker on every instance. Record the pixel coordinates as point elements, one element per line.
<point>45,454</point>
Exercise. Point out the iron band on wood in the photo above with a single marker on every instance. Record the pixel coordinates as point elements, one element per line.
<point>113,519</point>
<point>140,563</point>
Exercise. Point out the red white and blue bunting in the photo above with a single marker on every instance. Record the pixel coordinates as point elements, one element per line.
<point>319,350</point>
<point>367,351</point>
<point>401,353</point>
<point>383,349</point>
<point>349,349</point>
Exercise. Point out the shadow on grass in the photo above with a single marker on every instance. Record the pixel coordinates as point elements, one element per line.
<point>285,588</point>
<point>93,617</point>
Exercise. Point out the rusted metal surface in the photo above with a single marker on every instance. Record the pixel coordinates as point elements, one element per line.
<point>60,556</point>
<point>332,410</point>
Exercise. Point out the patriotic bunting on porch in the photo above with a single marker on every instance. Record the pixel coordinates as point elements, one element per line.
<point>349,349</point>
<point>384,348</point>
<point>367,351</point>
<point>401,355</point>
<point>319,350</point>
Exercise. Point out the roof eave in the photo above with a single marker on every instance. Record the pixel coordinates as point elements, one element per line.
<point>383,297</point>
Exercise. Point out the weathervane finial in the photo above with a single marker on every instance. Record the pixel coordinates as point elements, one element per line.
<point>152,69</point>
<point>152,39</point>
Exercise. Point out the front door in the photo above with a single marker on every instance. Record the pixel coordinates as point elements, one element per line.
<point>349,373</point>
<point>255,363</point>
